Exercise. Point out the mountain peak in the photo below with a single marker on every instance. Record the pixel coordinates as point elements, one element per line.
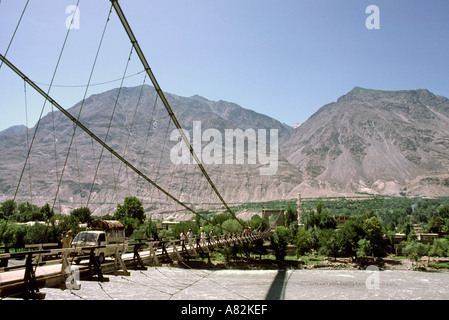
<point>386,142</point>
<point>360,90</point>
<point>14,129</point>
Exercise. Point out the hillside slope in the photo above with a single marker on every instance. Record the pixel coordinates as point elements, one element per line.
<point>377,142</point>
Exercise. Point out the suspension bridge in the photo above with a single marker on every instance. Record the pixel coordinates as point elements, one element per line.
<point>46,266</point>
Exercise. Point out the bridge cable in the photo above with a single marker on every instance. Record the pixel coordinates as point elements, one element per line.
<point>160,159</point>
<point>146,140</point>
<point>139,52</point>
<point>15,30</point>
<point>78,171</point>
<point>42,110</point>
<point>89,85</point>
<point>129,136</point>
<point>109,127</point>
<point>28,136</point>
<point>95,137</point>
<point>81,109</point>
<point>56,155</point>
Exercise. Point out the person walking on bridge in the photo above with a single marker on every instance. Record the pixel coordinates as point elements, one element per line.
<point>182,237</point>
<point>67,240</point>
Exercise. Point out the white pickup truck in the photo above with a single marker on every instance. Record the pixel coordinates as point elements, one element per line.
<point>102,233</point>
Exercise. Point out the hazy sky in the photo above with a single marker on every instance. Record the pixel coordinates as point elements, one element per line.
<point>283,58</point>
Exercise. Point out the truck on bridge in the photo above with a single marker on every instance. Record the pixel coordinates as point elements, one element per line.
<point>101,233</point>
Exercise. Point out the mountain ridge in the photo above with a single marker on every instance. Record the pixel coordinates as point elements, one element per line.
<point>368,141</point>
<point>143,136</point>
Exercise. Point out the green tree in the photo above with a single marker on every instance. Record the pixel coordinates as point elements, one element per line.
<point>151,231</point>
<point>304,241</point>
<point>374,234</point>
<point>8,208</point>
<point>27,212</point>
<point>443,212</point>
<point>415,250</point>
<point>83,214</point>
<point>439,248</point>
<point>348,236</point>
<point>364,248</point>
<point>280,241</point>
<point>257,223</point>
<point>436,224</point>
<point>131,224</point>
<point>232,226</point>
<point>131,208</point>
<point>218,219</point>
<point>326,242</point>
<point>321,219</point>
<point>66,223</point>
<point>46,212</point>
<point>291,216</point>
<point>13,235</point>
<point>326,221</point>
<point>38,233</point>
<point>319,207</point>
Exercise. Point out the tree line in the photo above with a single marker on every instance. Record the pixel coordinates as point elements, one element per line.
<point>367,232</point>
<point>48,226</point>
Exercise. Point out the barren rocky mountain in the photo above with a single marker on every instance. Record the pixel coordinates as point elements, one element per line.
<point>381,142</point>
<point>377,142</point>
<point>143,137</point>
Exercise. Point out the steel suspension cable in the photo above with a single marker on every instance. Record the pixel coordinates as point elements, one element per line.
<point>139,52</point>
<point>15,30</point>
<point>109,127</point>
<point>146,140</point>
<point>43,107</point>
<point>89,132</point>
<point>96,138</point>
<point>125,149</point>
<point>56,156</point>
<point>28,135</point>
<point>160,159</point>
<point>81,108</point>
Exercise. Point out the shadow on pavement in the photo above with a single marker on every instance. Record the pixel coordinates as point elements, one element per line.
<point>277,289</point>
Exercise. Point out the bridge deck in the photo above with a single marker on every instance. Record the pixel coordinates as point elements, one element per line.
<point>53,273</point>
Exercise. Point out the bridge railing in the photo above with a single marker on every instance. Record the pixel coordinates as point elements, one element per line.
<point>152,250</point>
<point>173,246</point>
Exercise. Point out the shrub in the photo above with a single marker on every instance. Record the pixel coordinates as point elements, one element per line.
<point>415,250</point>
<point>232,226</point>
<point>280,241</point>
<point>83,214</point>
<point>38,233</point>
<point>440,248</point>
<point>364,248</point>
<point>13,235</point>
<point>131,208</point>
<point>304,241</point>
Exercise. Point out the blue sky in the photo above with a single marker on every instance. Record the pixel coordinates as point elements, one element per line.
<point>284,58</point>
